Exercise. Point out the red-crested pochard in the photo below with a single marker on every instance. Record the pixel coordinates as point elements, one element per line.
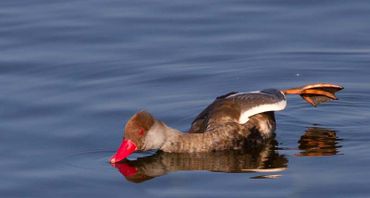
<point>233,121</point>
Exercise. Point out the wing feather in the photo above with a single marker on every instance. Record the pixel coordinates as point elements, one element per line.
<point>239,107</point>
<point>253,103</point>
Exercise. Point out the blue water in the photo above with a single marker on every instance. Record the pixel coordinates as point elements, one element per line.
<point>73,72</point>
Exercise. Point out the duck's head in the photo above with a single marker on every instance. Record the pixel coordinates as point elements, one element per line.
<point>136,132</point>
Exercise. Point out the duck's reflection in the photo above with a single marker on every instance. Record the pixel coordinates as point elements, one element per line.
<point>319,142</point>
<point>265,158</point>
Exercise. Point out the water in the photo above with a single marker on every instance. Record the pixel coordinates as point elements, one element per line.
<point>73,72</point>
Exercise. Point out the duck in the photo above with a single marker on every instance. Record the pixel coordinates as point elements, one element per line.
<point>233,121</point>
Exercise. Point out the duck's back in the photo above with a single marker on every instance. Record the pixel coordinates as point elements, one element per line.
<point>240,108</point>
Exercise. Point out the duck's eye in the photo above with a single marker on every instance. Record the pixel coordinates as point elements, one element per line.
<point>141,131</point>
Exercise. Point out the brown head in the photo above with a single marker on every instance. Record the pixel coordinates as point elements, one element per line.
<point>136,131</point>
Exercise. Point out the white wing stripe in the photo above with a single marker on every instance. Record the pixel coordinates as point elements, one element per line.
<point>244,116</point>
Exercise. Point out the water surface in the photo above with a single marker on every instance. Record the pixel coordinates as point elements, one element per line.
<point>73,72</point>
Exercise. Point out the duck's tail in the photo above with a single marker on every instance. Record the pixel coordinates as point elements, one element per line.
<point>316,93</point>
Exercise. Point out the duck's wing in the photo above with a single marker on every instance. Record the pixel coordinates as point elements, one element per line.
<point>238,107</point>
<point>253,103</point>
